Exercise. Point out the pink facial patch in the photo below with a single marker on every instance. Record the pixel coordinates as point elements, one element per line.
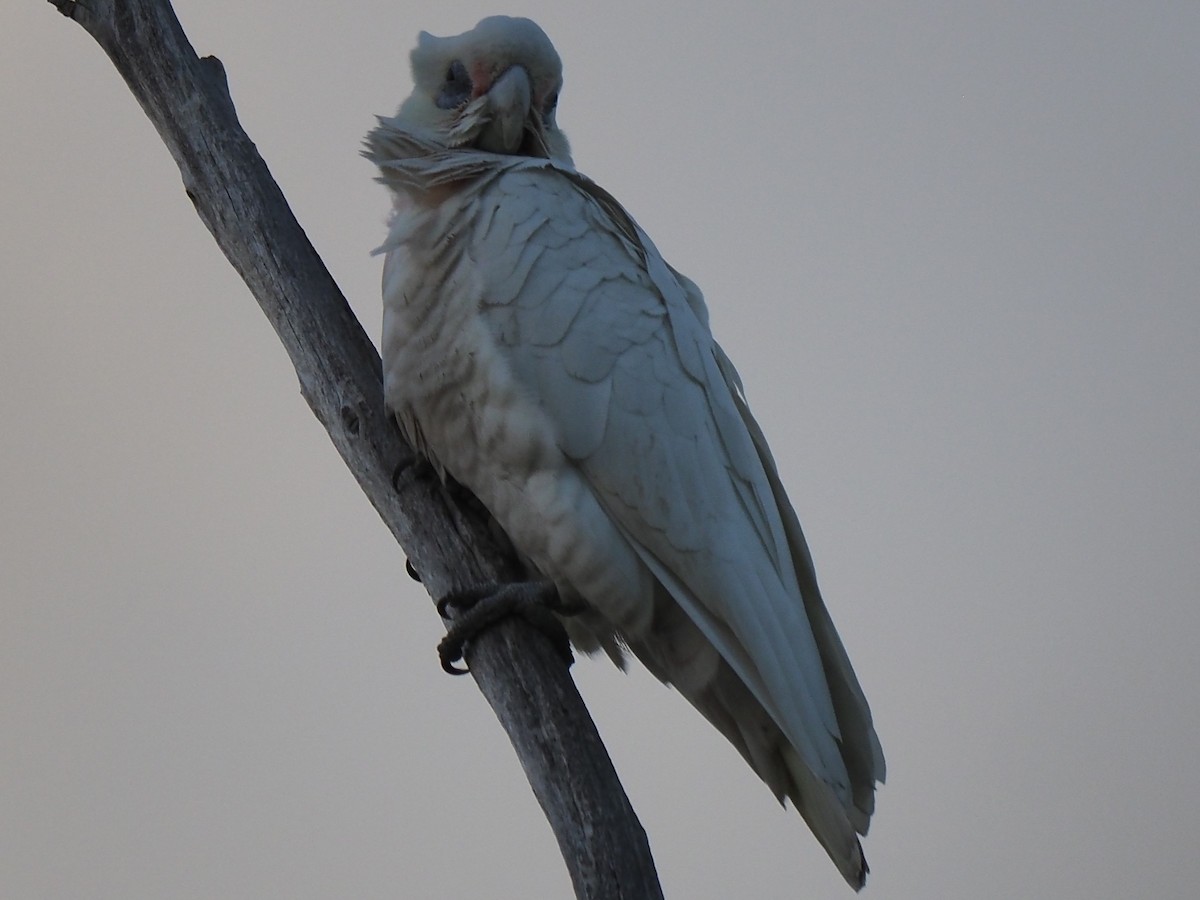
<point>481,79</point>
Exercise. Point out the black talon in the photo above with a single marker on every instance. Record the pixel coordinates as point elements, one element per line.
<point>412,572</point>
<point>450,652</point>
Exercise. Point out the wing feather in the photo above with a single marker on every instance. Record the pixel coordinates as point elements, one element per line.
<point>690,490</point>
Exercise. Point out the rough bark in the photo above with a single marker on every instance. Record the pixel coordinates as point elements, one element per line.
<point>519,672</point>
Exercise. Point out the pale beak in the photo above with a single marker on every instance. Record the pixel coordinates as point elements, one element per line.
<point>509,103</point>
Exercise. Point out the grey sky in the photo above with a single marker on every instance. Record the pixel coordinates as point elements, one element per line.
<point>955,252</point>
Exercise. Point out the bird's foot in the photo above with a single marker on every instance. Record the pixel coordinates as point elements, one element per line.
<point>472,611</point>
<point>415,468</point>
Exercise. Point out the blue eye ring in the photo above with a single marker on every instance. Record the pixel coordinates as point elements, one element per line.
<point>456,89</point>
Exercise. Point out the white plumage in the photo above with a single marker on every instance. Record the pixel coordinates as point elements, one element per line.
<point>537,348</point>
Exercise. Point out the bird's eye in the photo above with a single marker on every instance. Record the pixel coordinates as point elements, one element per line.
<point>456,89</point>
<point>551,103</point>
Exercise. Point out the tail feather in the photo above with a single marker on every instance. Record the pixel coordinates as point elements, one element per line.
<point>677,653</point>
<point>829,820</point>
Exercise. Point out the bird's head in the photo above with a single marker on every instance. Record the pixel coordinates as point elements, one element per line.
<point>493,88</point>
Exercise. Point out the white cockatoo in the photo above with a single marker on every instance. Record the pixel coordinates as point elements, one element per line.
<point>540,351</point>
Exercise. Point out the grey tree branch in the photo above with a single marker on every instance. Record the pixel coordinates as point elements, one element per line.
<point>517,669</point>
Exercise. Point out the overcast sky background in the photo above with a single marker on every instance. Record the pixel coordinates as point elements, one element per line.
<point>955,251</point>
